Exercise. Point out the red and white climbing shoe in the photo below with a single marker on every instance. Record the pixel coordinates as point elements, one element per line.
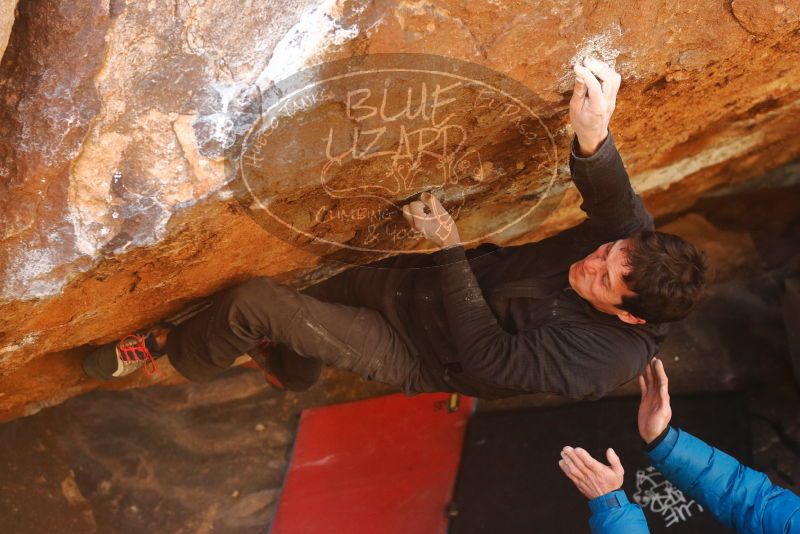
<point>126,356</point>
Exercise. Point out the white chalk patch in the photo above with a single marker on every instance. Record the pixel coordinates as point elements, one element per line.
<point>27,270</point>
<point>318,28</point>
<point>601,46</point>
<point>28,339</point>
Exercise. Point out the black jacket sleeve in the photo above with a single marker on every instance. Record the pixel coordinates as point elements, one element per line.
<point>613,207</point>
<point>575,361</point>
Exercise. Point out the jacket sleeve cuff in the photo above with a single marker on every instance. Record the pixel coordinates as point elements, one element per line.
<point>453,254</point>
<point>658,453</point>
<point>653,444</point>
<point>604,153</point>
<point>614,499</point>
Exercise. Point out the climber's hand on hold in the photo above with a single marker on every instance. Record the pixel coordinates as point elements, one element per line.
<point>428,216</point>
<point>593,101</point>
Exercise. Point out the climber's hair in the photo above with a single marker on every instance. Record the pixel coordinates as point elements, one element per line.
<point>668,275</point>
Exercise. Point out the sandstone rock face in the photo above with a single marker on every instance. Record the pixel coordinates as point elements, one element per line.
<point>6,22</point>
<point>161,93</point>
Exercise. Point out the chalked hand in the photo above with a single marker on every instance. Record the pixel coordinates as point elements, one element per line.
<point>429,217</point>
<point>655,411</point>
<point>593,100</point>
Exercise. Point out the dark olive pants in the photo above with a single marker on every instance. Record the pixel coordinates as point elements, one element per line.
<point>337,323</point>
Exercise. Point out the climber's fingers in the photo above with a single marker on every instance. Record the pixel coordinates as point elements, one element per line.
<point>609,78</point>
<point>593,87</point>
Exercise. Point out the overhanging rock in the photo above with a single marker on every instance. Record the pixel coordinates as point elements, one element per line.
<point>157,91</point>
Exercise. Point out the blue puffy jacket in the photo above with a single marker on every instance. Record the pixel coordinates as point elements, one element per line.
<point>741,498</point>
<point>612,513</point>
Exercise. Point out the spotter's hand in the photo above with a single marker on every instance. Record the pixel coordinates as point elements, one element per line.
<point>592,478</point>
<point>593,100</point>
<point>428,216</point>
<point>655,411</point>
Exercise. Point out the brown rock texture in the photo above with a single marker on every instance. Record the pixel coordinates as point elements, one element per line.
<point>155,90</point>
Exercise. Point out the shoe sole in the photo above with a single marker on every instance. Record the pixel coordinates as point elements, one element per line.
<point>93,362</point>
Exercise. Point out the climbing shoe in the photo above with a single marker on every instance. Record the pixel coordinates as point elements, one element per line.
<point>126,356</point>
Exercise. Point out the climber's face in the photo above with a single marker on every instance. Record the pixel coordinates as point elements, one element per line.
<point>599,278</point>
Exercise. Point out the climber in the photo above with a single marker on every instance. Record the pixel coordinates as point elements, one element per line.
<point>576,314</point>
<point>742,499</point>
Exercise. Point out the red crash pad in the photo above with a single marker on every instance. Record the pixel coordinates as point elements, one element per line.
<point>381,466</point>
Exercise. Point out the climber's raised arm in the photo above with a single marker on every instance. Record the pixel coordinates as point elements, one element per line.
<point>597,170</point>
